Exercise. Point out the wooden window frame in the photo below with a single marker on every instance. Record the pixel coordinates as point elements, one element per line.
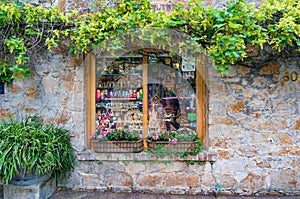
<point>201,98</point>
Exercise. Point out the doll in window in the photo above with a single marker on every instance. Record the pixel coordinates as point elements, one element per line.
<point>171,114</point>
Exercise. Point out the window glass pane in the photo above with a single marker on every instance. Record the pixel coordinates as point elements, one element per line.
<point>171,98</point>
<point>119,94</point>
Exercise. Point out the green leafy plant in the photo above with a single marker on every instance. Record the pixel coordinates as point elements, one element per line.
<point>173,137</point>
<point>162,151</point>
<point>25,29</point>
<point>223,33</point>
<point>32,146</point>
<point>115,135</point>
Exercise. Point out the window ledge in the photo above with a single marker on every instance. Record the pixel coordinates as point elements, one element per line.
<point>90,155</point>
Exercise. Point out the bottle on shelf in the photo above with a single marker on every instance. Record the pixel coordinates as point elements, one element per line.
<point>134,94</point>
<point>102,96</point>
<point>141,94</point>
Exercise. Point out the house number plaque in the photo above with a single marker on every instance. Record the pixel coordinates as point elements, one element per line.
<point>290,76</point>
<point>1,88</point>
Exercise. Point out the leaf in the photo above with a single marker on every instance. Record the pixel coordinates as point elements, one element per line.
<point>218,25</point>
<point>18,3</point>
<point>236,55</point>
<point>233,25</point>
<point>227,53</point>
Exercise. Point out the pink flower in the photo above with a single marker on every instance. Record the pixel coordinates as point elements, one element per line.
<point>105,133</point>
<point>174,141</point>
<point>93,135</point>
<point>156,137</point>
<point>100,136</point>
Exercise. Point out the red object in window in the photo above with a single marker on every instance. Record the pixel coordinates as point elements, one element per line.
<point>98,94</point>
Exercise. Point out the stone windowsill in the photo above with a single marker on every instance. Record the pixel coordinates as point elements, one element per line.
<point>90,155</point>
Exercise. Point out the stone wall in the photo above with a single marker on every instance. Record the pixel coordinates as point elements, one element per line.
<point>55,91</point>
<point>253,128</point>
<point>143,176</point>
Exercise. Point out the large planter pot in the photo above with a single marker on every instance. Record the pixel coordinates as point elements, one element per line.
<point>118,146</point>
<point>181,146</point>
<point>41,187</point>
<point>29,179</point>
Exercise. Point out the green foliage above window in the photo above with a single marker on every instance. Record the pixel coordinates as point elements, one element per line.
<point>223,34</point>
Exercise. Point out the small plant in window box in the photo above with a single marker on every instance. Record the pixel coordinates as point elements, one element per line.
<point>181,142</point>
<point>117,141</point>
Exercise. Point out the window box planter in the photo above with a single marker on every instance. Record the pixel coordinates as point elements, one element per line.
<point>181,146</point>
<point>101,146</point>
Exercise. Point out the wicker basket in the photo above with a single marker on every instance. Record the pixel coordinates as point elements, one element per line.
<point>118,146</point>
<point>178,147</point>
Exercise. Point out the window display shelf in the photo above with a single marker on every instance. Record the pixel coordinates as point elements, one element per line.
<point>119,102</point>
<point>119,109</point>
<point>120,88</point>
<point>137,122</point>
<point>119,99</point>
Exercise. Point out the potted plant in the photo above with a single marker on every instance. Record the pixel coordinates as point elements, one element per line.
<point>183,141</point>
<point>31,149</point>
<point>116,141</point>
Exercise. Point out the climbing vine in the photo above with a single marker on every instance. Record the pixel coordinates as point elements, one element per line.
<point>222,33</point>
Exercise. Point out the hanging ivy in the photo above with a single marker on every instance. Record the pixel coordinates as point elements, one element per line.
<point>223,33</point>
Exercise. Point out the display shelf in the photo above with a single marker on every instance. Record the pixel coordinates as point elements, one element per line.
<point>178,98</point>
<point>114,108</point>
<point>119,88</point>
<point>120,99</point>
<point>125,122</point>
<point>119,102</point>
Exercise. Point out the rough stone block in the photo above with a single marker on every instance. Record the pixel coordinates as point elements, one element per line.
<point>40,190</point>
<point>175,167</point>
<point>259,82</point>
<point>175,180</point>
<point>136,168</point>
<point>236,107</point>
<point>150,180</point>
<point>297,123</point>
<point>270,68</point>
<point>252,50</point>
<point>242,70</point>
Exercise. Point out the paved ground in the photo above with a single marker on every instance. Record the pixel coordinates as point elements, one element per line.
<point>108,195</point>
